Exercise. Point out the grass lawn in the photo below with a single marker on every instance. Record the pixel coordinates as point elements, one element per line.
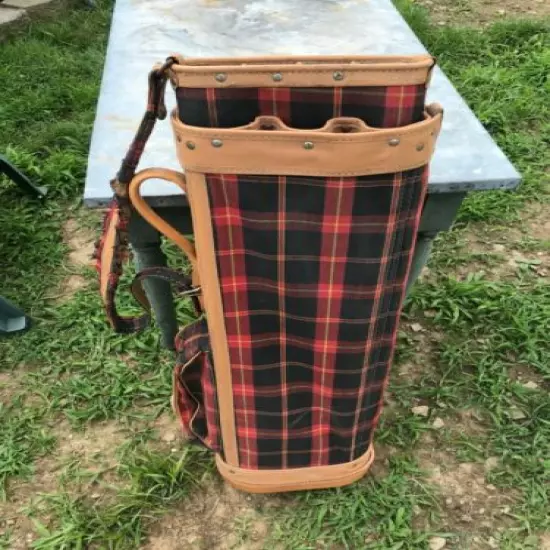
<point>90,455</point>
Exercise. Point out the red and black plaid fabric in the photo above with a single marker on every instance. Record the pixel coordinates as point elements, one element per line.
<point>313,273</point>
<point>377,106</point>
<point>194,386</point>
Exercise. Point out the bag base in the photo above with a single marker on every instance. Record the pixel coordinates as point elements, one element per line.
<point>296,479</point>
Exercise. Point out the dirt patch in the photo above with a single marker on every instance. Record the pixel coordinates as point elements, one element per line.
<point>80,241</point>
<point>504,254</point>
<point>536,219</point>
<point>483,12</point>
<point>425,341</point>
<point>381,466</point>
<point>94,446</point>
<point>220,518</point>
<point>545,541</point>
<point>527,377</point>
<point>471,507</point>
<point>90,451</point>
<point>10,385</point>
<point>469,423</point>
<point>14,517</point>
<point>168,429</point>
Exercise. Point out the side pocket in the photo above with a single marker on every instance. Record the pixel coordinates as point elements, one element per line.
<point>194,387</point>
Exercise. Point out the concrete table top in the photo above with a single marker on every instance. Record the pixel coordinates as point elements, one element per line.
<point>144,32</point>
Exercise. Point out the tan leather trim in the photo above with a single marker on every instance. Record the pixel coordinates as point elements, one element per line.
<point>324,152</point>
<point>208,270</point>
<point>296,479</point>
<point>107,253</point>
<point>150,216</point>
<point>305,71</point>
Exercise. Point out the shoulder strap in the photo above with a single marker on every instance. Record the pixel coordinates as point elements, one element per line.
<point>112,250</point>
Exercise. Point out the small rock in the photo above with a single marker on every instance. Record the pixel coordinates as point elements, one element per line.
<point>437,543</point>
<point>169,437</point>
<point>174,450</point>
<point>417,510</point>
<point>505,510</point>
<point>499,247</point>
<point>466,518</point>
<point>530,385</point>
<point>481,511</point>
<point>438,423</point>
<point>491,541</point>
<point>96,496</point>
<point>249,498</point>
<point>501,12</point>
<point>29,538</point>
<point>417,327</point>
<point>516,414</point>
<point>430,313</point>
<point>491,463</point>
<point>491,487</point>
<point>476,539</point>
<point>421,410</point>
<point>10,522</point>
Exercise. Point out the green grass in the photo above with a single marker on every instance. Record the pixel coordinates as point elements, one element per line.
<point>153,481</point>
<point>22,440</point>
<point>76,368</point>
<point>376,513</point>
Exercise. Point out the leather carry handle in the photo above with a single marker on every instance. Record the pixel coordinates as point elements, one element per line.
<point>151,217</point>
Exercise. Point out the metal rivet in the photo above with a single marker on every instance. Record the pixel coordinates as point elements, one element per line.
<point>394,142</point>
<point>190,145</point>
<point>420,147</point>
<point>221,77</point>
<point>217,142</point>
<point>308,145</point>
<point>277,77</point>
<point>338,75</point>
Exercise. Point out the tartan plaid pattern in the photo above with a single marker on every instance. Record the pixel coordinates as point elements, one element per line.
<point>377,106</point>
<point>194,387</point>
<point>312,274</point>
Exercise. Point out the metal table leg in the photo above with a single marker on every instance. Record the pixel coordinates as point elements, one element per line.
<point>6,167</point>
<point>12,319</point>
<point>146,244</point>
<point>438,215</point>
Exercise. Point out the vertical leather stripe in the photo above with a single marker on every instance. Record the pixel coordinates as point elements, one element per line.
<point>208,270</point>
<point>107,254</point>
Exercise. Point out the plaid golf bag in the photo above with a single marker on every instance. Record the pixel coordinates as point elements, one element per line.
<point>306,179</point>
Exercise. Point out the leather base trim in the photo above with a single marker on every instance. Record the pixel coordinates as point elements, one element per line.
<point>296,479</point>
